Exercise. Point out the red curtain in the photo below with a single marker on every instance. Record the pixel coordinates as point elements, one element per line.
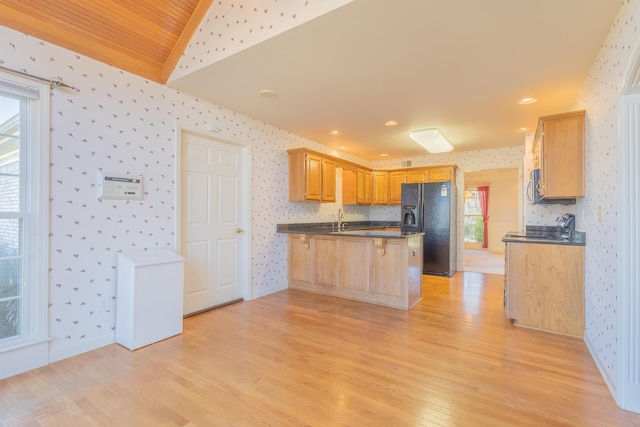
<point>483,197</point>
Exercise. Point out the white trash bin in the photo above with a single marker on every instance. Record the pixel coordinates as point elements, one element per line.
<point>149,299</point>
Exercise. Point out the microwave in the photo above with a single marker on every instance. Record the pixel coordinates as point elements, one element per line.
<point>534,197</point>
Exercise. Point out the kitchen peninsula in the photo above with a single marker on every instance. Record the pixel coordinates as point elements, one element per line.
<point>372,262</point>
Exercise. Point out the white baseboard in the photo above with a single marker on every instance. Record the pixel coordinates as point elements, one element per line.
<point>267,291</point>
<point>84,347</point>
<point>25,357</point>
<point>611,383</point>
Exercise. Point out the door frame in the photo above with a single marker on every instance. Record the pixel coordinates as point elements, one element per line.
<point>245,255</point>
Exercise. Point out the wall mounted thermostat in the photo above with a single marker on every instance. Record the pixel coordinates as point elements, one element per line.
<point>118,186</point>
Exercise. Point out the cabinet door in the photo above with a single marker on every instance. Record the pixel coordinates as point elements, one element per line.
<point>328,180</point>
<point>562,156</point>
<point>326,256</point>
<point>417,176</point>
<point>301,257</point>
<point>313,177</point>
<point>380,187</point>
<point>368,187</point>
<point>360,186</point>
<point>349,187</point>
<point>396,179</point>
<point>546,286</point>
<point>439,174</point>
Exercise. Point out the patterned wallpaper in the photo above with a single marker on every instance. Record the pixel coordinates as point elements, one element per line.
<point>118,122</point>
<point>598,209</point>
<point>231,26</point>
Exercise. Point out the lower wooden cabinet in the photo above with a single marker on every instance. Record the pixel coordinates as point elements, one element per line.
<point>380,271</point>
<point>544,286</point>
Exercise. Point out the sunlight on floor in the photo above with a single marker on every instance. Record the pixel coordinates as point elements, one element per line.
<point>483,261</point>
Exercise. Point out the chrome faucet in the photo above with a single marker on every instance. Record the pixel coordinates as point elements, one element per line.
<point>340,216</point>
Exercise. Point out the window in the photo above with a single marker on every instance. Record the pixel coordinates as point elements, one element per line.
<point>24,218</point>
<point>11,219</point>
<point>473,223</point>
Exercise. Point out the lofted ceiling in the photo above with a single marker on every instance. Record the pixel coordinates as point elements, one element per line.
<point>459,66</point>
<point>144,37</point>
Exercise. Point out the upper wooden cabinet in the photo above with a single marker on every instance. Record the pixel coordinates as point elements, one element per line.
<point>396,179</point>
<point>312,177</point>
<point>364,189</point>
<point>558,153</point>
<point>380,182</point>
<point>349,186</point>
<point>441,174</point>
<point>416,175</point>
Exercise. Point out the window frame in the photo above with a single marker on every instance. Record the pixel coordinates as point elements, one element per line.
<point>30,349</point>
<point>465,215</point>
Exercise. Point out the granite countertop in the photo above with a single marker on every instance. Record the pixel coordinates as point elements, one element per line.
<point>353,229</point>
<point>548,235</point>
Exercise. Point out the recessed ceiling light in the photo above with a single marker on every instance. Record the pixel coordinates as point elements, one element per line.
<point>335,132</point>
<point>391,123</point>
<point>524,101</point>
<point>522,130</point>
<point>383,154</point>
<point>341,147</point>
<point>431,140</point>
<point>267,93</point>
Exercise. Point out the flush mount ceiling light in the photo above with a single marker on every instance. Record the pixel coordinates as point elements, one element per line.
<point>525,101</point>
<point>431,140</point>
<point>267,93</point>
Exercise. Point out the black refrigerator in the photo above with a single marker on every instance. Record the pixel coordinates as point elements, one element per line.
<point>430,208</point>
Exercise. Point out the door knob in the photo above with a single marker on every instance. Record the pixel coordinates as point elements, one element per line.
<point>239,230</point>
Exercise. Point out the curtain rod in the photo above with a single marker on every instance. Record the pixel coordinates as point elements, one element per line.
<point>53,81</point>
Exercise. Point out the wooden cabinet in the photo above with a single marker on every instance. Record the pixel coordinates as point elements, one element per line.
<point>544,286</point>
<point>417,175</point>
<point>396,179</point>
<point>380,183</point>
<point>312,177</point>
<point>441,174</point>
<point>364,188</point>
<point>380,271</point>
<point>349,186</point>
<point>558,152</point>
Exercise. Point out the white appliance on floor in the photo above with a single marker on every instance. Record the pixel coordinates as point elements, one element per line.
<point>149,299</point>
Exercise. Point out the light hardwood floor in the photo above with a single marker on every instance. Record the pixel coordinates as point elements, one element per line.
<point>299,359</point>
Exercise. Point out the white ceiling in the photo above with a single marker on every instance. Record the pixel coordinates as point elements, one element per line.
<point>460,66</point>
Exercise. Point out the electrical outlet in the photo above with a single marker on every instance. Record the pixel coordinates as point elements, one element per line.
<point>104,304</point>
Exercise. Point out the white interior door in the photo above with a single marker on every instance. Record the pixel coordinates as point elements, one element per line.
<point>212,237</point>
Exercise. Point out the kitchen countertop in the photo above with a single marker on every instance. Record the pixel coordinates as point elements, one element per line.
<point>353,229</point>
<point>548,235</point>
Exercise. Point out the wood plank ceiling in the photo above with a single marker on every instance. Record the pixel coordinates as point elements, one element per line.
<point>144,37</point>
